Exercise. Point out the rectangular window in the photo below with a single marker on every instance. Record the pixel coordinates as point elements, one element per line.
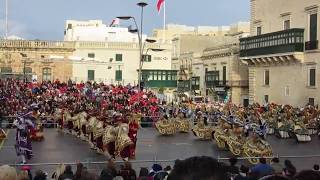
<point>118,57</point>
<point>286,91</point>
<point>266,78</point>
<point>311,101</point>
<point>91,55</point>
<point>164,76</point>
<point>146,58</point>
<point>259,30</point>
<point>286,24</point>
<point>90,75</point>
<point>224,74</point>
<point>313,27</point>
<point>118,75</point>
<point>312,77</point>
<point>266,98</point>
<point>69,26</point>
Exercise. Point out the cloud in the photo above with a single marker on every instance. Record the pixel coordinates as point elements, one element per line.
<point>15,29</point>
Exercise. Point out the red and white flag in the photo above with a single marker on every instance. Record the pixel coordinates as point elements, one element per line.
<point>160,4</point>
<point>115,22</point>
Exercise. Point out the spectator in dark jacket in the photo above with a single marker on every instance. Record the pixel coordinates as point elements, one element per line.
<point>67,175</point>
<point>233,169</point>
<point>77,175</point>
<point>289,170</point>
<point>244,170</point>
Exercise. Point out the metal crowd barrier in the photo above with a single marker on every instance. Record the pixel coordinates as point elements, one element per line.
<point>158,161</point>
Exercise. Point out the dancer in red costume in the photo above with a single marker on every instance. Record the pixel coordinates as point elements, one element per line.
<point>133,132</point>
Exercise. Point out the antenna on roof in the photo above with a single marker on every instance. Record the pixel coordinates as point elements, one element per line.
<point>6,19</point>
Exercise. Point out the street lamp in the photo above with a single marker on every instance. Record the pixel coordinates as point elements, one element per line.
<point>139,32</point>
<point>24,56</point>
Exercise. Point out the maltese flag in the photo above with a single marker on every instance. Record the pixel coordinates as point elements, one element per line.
<point>115,22</point>
<point>159,5</point>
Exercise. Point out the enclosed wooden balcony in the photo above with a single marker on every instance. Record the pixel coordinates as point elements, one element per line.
<point>291,40</point>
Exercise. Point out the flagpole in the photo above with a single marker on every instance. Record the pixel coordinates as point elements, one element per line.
<point>164,20</point>
<point>6,20</point>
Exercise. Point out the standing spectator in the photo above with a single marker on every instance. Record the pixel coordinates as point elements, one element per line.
<point>244,170</point>
<point>67,175</point>
<point>289,170</point>
<point>276,166</point>
<point>262,169</point>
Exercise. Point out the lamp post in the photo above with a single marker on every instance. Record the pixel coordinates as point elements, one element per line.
<point>139,32</point>
<point>24,56</point>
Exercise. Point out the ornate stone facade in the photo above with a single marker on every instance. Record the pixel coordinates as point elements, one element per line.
<point>48,60</point>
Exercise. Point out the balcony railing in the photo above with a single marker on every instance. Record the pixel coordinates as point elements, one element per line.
<point>35,44</point>
<point>311,45</point>
<point>216,83</point>
<point>240,83</point>
<point>291,40</point>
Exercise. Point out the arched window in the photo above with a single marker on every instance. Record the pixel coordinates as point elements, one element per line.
<point>46,74</point>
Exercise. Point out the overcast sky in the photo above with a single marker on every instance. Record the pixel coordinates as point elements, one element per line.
<point>44,19</point>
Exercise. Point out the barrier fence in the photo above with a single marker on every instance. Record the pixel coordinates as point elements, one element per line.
<point>160,161</point>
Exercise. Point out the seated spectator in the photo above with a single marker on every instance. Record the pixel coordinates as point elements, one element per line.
<point>160,175</point>
<point>276,166</point>
<point>106,174</point>
<point>308,175</point>
<point>143,174</point>
<point>40,175</point>
<point>27,169</point>
<point>7,173</point>
<point>289,170</point>
<point>262,169</point>
<point>60,170</point>
<point>168,169</point>
<point>127,172</point>
<point>233,169</point>
<point>23,175</point>
<point>196,168</point>
<point>67,174</point>
<point>155,168</point>
<point>244,170</point>
<point>316,167</point>
<point>112,167</point>
<point>77,175</point>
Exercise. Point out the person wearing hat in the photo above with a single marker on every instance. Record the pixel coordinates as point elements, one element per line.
<point>24,123</point>
<point>133,132</point>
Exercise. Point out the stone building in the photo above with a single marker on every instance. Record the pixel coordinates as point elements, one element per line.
<point>283,52</point>
<point>45,60</point>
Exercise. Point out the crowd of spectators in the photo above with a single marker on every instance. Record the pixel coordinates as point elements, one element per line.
<point>194,168</point>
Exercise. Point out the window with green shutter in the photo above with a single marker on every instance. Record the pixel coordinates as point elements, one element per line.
<point>118,57</point>
<point>146,58</point>
<point>118,75</point>
<point>90,75</point>
<point>91,55</point>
